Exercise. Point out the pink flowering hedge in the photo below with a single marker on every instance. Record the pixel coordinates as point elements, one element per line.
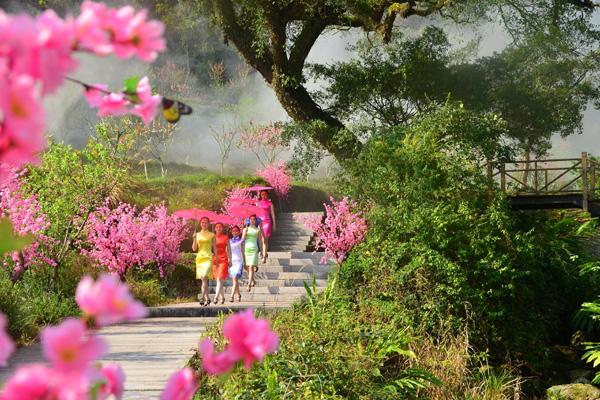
<point>343,227</point>
<point>72,349</point>
<point>122,238</point>
<point>27,219</point>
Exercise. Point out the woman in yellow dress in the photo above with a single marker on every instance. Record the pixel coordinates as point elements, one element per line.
<point>204,242</point>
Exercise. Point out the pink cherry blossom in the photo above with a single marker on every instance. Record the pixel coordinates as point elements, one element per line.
<point>148,107</point>
<point>40,382</point>
<point>278,177</point>
<point>215,364</point>
<point>95,93</point>
<point>108,300</point>
<point>30,382</point>
<point>114,378</point>
<point>68,346</point>
<point>7,346</point>
<point>182,385</point>
<point>134,35</point>
<point>250,339</point>
<point>90,29</point>
<point>23,114</point>
<point>114,104</point>
<point>343,227</point>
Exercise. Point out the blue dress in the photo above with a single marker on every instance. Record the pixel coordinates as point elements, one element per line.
<point>237,258</point>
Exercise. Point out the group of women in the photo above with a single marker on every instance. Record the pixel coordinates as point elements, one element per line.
<point>221,255</point>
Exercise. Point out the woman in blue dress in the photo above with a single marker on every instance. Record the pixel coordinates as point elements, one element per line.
<point>237,261</point>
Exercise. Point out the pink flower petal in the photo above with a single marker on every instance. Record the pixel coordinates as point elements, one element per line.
<point>182,385</point>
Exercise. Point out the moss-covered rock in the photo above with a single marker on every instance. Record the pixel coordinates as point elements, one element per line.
<point>576,391</point>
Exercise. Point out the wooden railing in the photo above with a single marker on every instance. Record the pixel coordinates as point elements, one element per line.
<point>547,177</point>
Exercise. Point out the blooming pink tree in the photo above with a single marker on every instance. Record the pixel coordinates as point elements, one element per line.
<point>265,142</point>
<point>122,238</point>
<point>343,227</point>
<point>27,219</point>
<point>278,177</point>
<point>72,350</point>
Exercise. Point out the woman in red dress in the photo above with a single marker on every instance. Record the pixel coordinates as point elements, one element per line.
<point>220,269</point>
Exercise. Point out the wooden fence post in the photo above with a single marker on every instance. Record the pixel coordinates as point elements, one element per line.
<point>592,179</point>
<point>502,177</point>
<point>584,180</point>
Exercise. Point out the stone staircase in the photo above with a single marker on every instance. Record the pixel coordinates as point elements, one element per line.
<point>279,282</point>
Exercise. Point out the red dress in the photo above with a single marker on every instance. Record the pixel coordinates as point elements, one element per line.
<point>220,270</point>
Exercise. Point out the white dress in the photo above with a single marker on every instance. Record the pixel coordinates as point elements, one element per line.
<point>237,258</point>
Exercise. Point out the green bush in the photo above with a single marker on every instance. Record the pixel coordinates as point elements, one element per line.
<point>330,349</point>
<point>442,246</point>
<point>34,302</point>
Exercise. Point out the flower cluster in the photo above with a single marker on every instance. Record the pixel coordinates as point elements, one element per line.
<point>37,52</point>
<point>26,217</point>
<point>109,103</point>
<point>250,339</point>
<point>278,177</point>
<point>343,228</point>
<point>7,346</point>
<point>72,350</point>
<point>267,135</point>
<point>237,196</point>
<point>122,238</point>
<point>265,142</point>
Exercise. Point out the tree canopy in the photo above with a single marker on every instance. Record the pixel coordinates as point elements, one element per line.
<point>276,37</point>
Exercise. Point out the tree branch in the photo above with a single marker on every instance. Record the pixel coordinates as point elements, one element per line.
<point>304,43</point>
<point>242,38</point>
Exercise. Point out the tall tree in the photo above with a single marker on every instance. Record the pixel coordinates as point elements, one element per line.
<point>275,38</point>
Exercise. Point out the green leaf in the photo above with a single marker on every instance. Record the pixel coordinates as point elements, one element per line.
<point>130,84</point>
<point>9,241</point>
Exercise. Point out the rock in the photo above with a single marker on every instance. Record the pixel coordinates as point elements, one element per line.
<point>576,391</point>
<point>581,376</point>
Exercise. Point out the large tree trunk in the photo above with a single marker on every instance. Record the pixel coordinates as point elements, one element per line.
<point>296,101</point>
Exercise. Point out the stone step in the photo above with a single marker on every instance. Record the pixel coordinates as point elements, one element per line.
<point>291,261</point>
<point>195,310</point>
<point>296,255</point>
<point>275,283</point>
<point>290,233</point>
<point>284,269</point>
<point>273,290</point>
<point>290,243</point>
<point>293,248</point>
<point>268,274</point>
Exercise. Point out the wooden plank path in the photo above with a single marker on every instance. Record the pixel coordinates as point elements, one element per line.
<point>148,350</point>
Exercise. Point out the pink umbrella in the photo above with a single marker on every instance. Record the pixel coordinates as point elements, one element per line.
<point>227,220</point>
<point>240,200</point>
<point>196,214</point>
<point>244,211</point>
<point>258,188</point>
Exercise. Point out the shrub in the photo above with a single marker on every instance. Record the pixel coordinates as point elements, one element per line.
<point>443,248</point>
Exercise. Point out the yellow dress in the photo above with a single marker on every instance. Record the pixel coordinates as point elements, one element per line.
<point>204,258</point>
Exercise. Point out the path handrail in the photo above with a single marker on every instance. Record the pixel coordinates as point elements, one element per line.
<point>548,176</point>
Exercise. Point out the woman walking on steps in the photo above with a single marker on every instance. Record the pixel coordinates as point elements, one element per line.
<point>268,220</point>
<point>252,235</point>
<point>236,268</point>
<point>204,242</point>
<point>220,269</point>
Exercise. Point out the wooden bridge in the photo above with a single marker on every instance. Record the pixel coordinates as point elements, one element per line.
<point>560,183</point>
